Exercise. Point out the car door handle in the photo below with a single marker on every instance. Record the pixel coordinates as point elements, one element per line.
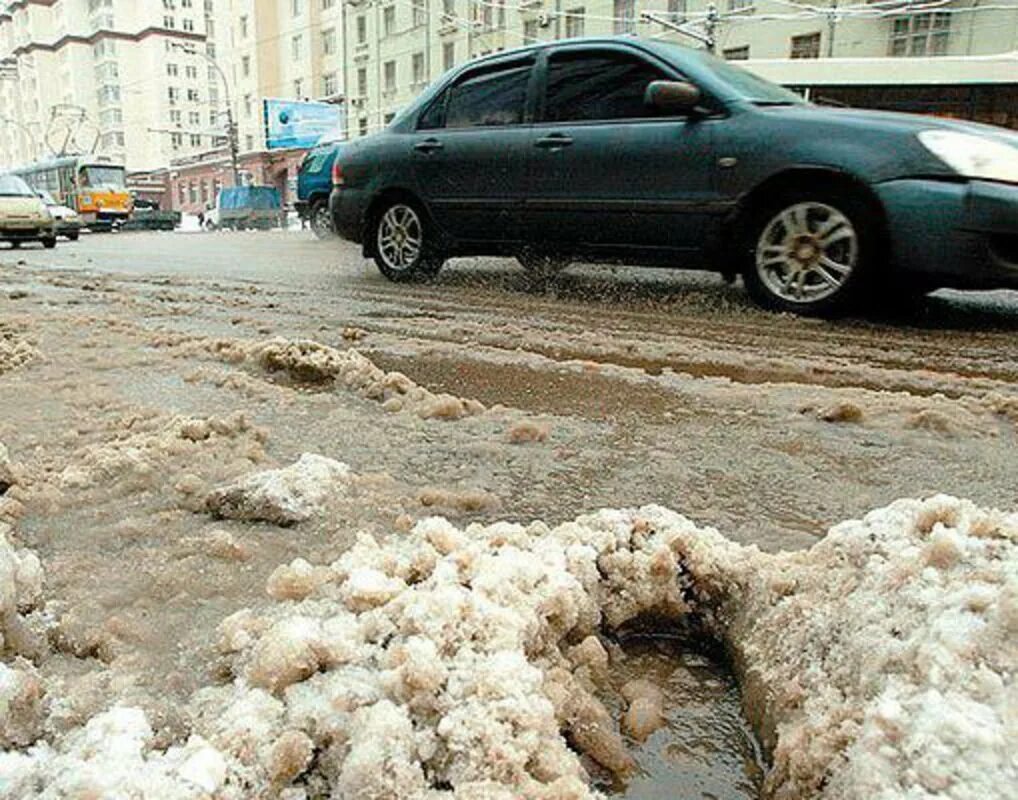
<point>428,146</point>
<point>553,141</point>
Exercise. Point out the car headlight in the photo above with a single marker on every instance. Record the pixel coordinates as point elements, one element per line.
<point>973,156</point>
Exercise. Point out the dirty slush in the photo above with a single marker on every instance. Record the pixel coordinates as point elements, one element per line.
<point>428,551</point>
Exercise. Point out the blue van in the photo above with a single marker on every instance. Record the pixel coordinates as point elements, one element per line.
<point>314,183</point>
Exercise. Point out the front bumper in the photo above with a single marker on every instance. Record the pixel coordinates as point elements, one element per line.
<point>65,226</point>
<point>33,233</point>
<point>961,234</point>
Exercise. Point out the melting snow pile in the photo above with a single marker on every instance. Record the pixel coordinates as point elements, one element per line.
<point>309,361</point>
<point>466,663</point>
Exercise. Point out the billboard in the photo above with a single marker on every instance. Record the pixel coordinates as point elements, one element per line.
<point>298,123</point>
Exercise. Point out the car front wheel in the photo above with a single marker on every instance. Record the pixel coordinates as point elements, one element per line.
<point>402,247</point>
<point>49,243</point>
<point>811,253</point>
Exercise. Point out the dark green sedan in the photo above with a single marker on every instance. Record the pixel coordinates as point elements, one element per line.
<point>649,153</point>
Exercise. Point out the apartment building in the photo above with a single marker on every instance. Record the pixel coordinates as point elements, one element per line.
<point>283,48</point>
<point>396,47</point>
<point>109,76</point>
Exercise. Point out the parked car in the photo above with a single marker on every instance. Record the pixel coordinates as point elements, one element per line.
<point>243,207</point>
<point>314,183</point>
<point>146,215</point>
<point>66,221</point>
<point>23,216</point>
<point>648,152</point>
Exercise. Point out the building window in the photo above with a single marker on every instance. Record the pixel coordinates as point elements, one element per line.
<point>192,192</point>
<point>188,24</point>
<point>245,66</point>
<point>362,82</point>
<point>330,84</point>
<point>739,5</point>
<point>171,70</point>
<point>389,117</point>
<point>362,29</point>
<point>420,13</point>
<point>362,126</point>
<point>242,24</point>
<point>297,46</point>
<point>194,118</point>
<point>329,41</point>
<point>195,140</point>
<point>175,117</point>
<point>677,10</point>
<point>191,73</point>
<point>449,8</point>
<point>297,6</point>
<point>737,53</point>
<point>192,95</point>
<point>389,71</point>
<point>177,140</point>
<point>173,93</point>
<point>417,68</point>
<point>327,4</point>
<point>249,142</point>
<point>625,15</point>
<point>389,20</point>
<point>248,105</point>
<point>920,35</point>
<point>574,22</point>
<point>806,46</point>
<point>530,31</point>
<point>181,193</point>
<point>448,55</point>
<point>298,88</point>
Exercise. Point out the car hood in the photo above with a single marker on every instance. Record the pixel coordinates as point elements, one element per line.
<point>891,121</point>
<point>62,212</point>
<point>22,206</point>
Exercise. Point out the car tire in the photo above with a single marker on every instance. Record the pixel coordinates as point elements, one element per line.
<point>321,220</point>
<point>72,237</point>
<point>542,266</point>
<point>50,243</point>
<point>811,252</point>
<point>402,242</point>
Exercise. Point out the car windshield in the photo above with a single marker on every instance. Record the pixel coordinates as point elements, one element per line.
<point>13,186</point>
<point>105,177</point>
<point>746,84</point>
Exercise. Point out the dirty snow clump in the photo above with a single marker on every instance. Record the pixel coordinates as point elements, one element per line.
<point>282,496</point>
<point>309,361</point>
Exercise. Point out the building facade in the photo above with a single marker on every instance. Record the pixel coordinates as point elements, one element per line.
<point>112,77</point>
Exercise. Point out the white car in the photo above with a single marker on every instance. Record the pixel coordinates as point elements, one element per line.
<point>23,216</point>
<point>66,220</point>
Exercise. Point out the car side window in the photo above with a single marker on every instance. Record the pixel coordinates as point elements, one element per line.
<point>598,86</point>
<point>494,97</point>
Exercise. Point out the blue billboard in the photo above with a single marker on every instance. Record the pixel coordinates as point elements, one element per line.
<point>297,123</point>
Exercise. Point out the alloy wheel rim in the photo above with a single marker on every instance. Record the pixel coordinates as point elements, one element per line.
<point>400,237</point>
<point>807,253</point>
<point>320,221</point>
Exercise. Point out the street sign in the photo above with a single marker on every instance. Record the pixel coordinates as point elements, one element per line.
<point>296,123</point>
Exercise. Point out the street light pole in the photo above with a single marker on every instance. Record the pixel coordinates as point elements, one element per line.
<point>231,127</point>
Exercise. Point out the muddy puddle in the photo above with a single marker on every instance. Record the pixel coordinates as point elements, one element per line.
<point>705,750</point>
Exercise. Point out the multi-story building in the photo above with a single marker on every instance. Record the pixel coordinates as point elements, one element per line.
<point>396,47</point>
<point>109,76</point>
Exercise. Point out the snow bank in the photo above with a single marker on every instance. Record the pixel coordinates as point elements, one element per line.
<point>466,663</point>
<point>20,588</point>
<point>15,353</point>
<point>281,496</point>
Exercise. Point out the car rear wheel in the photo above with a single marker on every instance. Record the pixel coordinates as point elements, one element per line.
<point>72,236</point>
<point>50,243</point>
<point>811,252</point>
<point>321,221</point>
<point>402,246</point>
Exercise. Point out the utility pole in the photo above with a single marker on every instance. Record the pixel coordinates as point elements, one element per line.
<point>707,36</point>
<point>832,25</point>
<point>231,126</point>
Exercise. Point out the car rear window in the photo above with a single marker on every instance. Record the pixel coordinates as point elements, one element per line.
<point>597,86</point>
<point>491,98</point>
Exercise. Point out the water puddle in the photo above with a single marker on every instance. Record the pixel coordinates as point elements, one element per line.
<point>706,750</point>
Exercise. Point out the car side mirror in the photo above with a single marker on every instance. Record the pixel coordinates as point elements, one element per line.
<point>675,97</point>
